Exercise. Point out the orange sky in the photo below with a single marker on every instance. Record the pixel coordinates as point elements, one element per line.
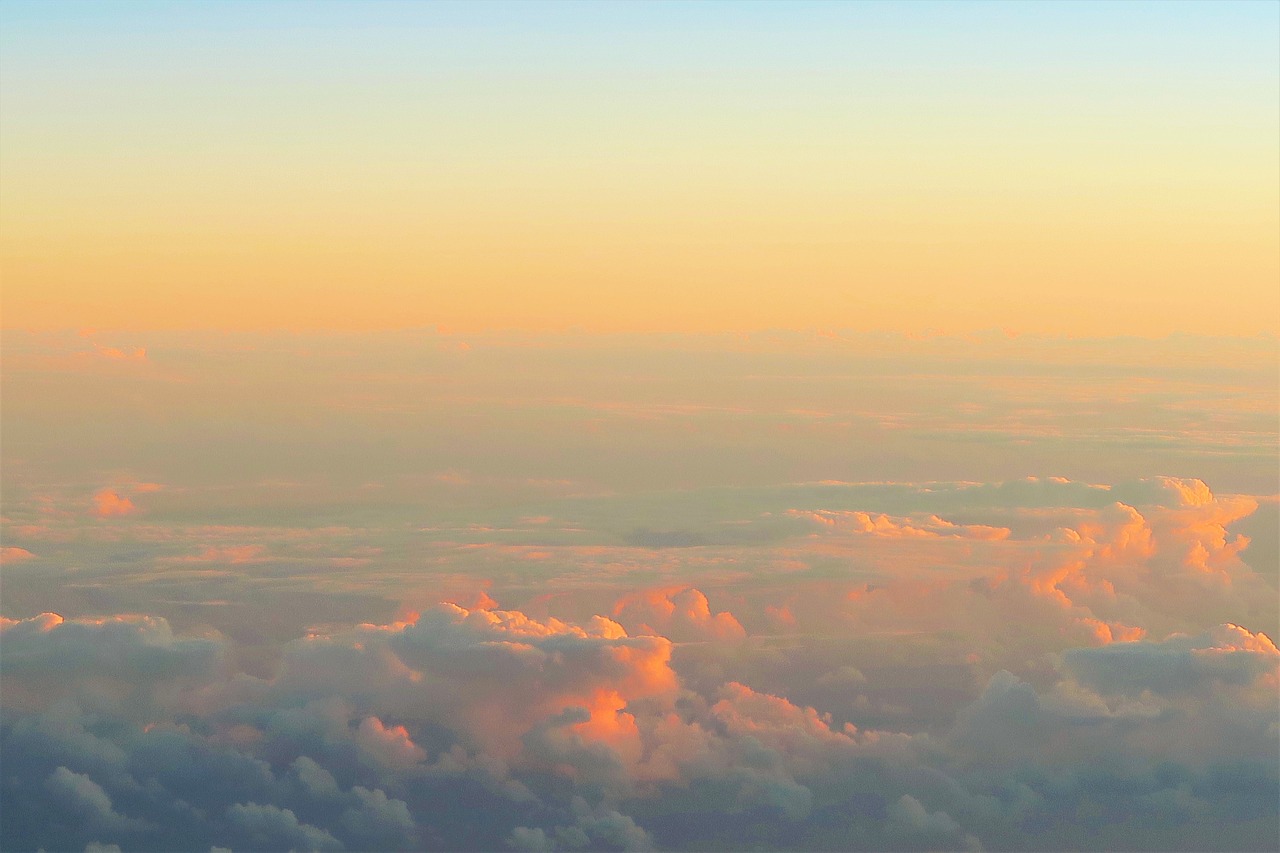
<point>794,172</point>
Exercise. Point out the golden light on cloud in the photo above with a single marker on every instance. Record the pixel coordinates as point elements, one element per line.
<point>639,426</point>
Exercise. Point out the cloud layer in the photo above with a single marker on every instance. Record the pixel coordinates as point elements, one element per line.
<point>782,592</point>
<point>488,728</point>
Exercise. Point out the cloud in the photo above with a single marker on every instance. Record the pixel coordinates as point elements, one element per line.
<point>463,667</point>
<point>109,502</point>
<point>879,524</point>
<point>1200,700</point>
<point>388,745</point>
<point>98,847</point>
<point>792,649</point>
<point>678,613</point>
<point>580,736</point>
<point>271,827</point>
<point>122,353</point>
<point>1225,656</point>
<point>230,555</point>
<point>380,821</point>
<point>910,822</point>
<point>124,663</point>
<point>87,800</point>
<point>925,685</point>
<point>591,829</point>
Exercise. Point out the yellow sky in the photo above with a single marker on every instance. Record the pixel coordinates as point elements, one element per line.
<point>952,192</point>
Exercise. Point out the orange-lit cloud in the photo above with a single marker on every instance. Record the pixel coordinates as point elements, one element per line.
<point>388,745</point>
<point>599,711</point>
<point>676,612</point>
<point>123,354</point>
<point>232,554</point>
<point>109,502</point>
<point>879,524</point>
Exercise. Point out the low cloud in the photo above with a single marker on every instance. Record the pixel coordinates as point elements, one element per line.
<point>109,502</point>
<point>580,736</point>
<point>680,614</point>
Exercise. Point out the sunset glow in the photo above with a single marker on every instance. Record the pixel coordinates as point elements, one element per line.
<point>625,426</point>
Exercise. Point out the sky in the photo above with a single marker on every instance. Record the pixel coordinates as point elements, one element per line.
<point>619,426</point>
<point>693,167</point>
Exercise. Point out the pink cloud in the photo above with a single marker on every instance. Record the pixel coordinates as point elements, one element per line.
<point>97,357</point>
<point>123,354</point>
<point>233,554</point>
<point>879,524</point>
<point>679,613</point>
<point>389,746</point>
<point>109,502</point>
<point>496,675</point>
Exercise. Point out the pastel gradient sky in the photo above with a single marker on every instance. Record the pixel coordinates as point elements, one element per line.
<point>639,426</point>
<point>1061,168</point>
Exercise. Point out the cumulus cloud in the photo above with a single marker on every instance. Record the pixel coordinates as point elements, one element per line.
<point>910,823</point>
<point>591,829</point>
<point>109,502</point>
<point>273,828</point>
<point>1223,657</point>
<point>681,614</point>
<point>388,745</point>
<point>1198,700</point>
<point>124,663</point>
<point>879,524</point>
<point>728,597</point>
<point>1063,666</point>
<point>87,800</point>
<point>580,736</point>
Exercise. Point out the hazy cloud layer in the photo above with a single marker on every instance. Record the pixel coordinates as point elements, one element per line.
<point>793,592</point>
